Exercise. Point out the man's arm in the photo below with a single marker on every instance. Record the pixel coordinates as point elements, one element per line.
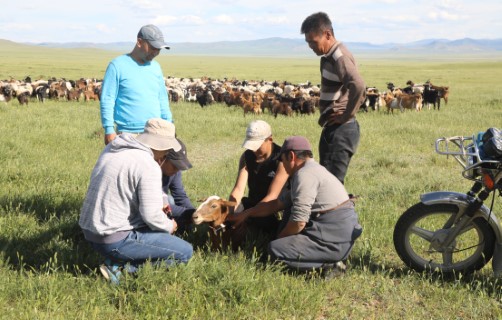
<point>292,228</point>
<point>240,184</point>
<point>262,209</point>
<point>353,81</point>
<point>178,192</point>
<point>281,176</point>
<point>150,200</point>
<point>109,91</point>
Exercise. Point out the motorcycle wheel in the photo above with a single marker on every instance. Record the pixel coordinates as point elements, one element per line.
<point>419,230</point>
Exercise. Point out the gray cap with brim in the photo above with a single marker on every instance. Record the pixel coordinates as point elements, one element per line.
<point>153,35</point>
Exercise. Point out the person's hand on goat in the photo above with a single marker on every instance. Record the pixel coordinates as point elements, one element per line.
<point>237,219</point>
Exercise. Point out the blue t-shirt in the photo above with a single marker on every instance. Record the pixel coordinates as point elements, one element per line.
<point>131,94</point>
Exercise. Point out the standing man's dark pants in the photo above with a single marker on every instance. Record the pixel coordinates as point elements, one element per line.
<point>337,145</point>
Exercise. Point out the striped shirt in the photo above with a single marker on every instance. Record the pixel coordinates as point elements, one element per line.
<point>342,88</point>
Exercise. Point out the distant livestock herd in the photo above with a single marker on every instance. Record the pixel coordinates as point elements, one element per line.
<point>278,98</point>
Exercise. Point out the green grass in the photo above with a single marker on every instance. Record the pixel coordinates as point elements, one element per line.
<point>47,152</point>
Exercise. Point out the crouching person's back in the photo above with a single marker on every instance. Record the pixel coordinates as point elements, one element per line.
<point>122,215</point>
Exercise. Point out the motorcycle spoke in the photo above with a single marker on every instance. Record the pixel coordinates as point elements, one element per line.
<point>422,233</point>
<point>450,221</point>
<point>467,228</point>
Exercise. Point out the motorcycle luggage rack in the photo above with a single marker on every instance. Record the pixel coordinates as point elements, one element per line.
<point>466,150</point>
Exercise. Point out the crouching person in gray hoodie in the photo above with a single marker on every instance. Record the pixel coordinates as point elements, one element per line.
<point>122,215</point>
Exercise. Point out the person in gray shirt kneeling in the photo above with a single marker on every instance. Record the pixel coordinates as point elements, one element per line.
<point>320,224</point>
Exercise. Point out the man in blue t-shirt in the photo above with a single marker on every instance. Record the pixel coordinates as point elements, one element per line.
<point>134,89</point>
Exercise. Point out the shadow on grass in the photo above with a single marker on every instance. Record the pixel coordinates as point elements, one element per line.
<point>58,244</point>
<point>474,282</point>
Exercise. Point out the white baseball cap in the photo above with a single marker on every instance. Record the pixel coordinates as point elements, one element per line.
<point>256,133</point>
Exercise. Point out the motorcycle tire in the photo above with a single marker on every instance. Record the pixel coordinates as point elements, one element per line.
<point>415,233</point>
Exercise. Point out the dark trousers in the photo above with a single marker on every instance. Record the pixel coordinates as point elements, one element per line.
<point>337,145</point>
<point>325,240</point>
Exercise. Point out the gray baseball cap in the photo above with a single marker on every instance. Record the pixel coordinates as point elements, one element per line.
<point>153,35</point>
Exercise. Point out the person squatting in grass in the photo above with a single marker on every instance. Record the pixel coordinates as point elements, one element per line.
<point>342,93</point>
<point>122,215</point>
<point>320,224</point>
<point>134,89</point>
<point>261,169</point>
<point>176,202</point>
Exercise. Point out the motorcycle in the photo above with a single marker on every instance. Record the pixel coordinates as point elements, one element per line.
<point>451,232</point>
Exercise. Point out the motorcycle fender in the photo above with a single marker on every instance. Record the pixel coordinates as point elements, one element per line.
<point>461,200</point>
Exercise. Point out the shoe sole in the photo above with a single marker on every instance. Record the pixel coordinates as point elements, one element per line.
<point>108,275</point>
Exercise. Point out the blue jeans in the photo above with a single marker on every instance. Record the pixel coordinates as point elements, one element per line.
<point>337,145</point>
<point>146,244</point>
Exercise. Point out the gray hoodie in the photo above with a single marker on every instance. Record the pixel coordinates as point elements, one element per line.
<point>125,193</point>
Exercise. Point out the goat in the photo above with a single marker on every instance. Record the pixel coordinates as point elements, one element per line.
<point>204,97</point>
<point>23,98</point>
<point>282,108</point>
<point>213,211</point>
<point>431,96</point>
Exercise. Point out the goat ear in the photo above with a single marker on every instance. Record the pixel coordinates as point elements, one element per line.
<point>229,203</point>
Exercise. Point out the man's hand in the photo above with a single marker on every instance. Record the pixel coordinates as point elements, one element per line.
<point>110,137</point>
<point>334,118</point>
<point>175,226</point>
<point>237,219</point>
<point>167,210</point>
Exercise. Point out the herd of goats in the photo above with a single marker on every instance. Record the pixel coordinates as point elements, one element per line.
<point>277,98</point>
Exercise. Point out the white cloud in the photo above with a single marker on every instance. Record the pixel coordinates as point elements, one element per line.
<point>277,20</point>
<point>224,19</point>
<point>104,28</point>
<point>165,20</point>
<point>144,4</point>
<point>442,15</point>
<point>191,19</point>
<point>17,26</point>
<point>373,21</point>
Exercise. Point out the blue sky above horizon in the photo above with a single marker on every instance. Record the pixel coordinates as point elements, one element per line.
<point>376,21</point>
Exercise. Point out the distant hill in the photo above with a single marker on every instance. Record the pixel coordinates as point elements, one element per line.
<point>297,47</point>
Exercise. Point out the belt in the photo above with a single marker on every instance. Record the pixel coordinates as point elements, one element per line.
<point>341,205</point>
<point>351,120</point>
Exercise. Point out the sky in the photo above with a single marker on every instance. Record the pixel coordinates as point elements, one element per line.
<point>372,21</point>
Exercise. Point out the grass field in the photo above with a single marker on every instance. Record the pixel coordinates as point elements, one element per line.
<point>47,152</point>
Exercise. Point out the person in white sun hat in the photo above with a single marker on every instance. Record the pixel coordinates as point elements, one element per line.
<point>122,215</point>
<point>261,170</point>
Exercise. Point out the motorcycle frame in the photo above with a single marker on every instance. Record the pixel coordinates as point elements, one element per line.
<point>462,201</point>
